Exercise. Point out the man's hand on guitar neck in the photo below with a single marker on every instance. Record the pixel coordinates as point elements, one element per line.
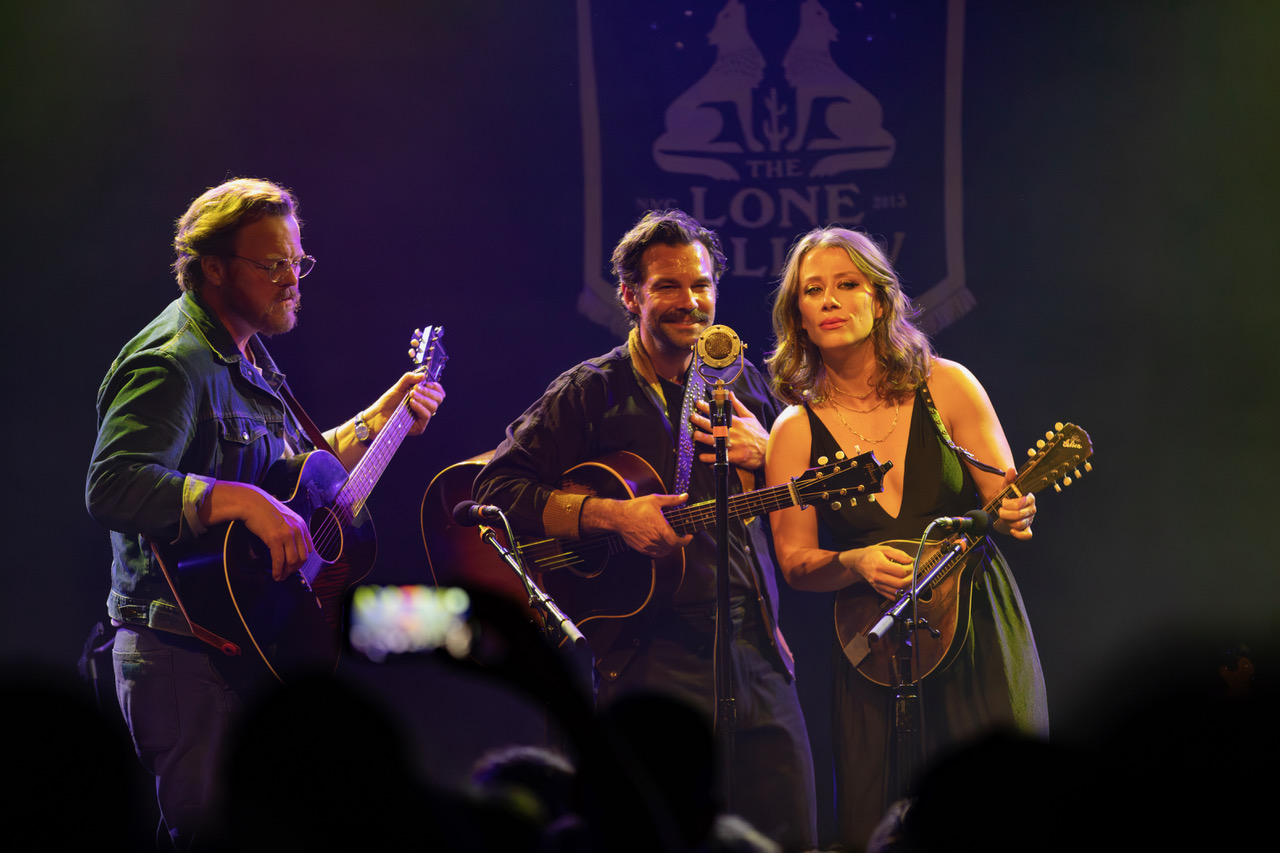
<point>422,402</point>
<point>280,528</point>
<point>638,521</point>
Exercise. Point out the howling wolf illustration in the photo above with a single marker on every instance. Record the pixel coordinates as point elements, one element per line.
<point>714,115</point>
<point>833,111</point>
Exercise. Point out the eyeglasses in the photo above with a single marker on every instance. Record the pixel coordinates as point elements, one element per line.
<point>275,270</point>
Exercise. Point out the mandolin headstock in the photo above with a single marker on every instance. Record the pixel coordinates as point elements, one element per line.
<point>1056,459</point>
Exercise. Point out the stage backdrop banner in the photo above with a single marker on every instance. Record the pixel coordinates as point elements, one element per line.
<point>766,119</point>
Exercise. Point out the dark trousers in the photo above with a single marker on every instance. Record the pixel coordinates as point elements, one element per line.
<point>178,707</point>
<point>772,776</point>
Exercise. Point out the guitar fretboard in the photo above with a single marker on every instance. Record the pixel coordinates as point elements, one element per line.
<point>548,554</point>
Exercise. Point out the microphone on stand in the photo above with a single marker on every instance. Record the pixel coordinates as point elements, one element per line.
<point>974,521</point>
<point>470,513</point>
<point>718,346</point>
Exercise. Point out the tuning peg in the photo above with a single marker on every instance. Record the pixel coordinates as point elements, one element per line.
<point>1058,427</point>
<point>1088,466</point>
<point>1048,434</point>
<point>840,454</point>
<point>1077,473</point>
<point>1066,481</point>
<point>835,505</point>
<point>822,460</point>
<point>1057,488</point>
<point>1031,451</point>
<point>1040,444</point>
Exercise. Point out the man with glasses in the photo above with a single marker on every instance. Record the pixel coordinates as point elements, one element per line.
<point>190,416</point>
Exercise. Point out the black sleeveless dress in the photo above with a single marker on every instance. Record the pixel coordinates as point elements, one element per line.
<point>996,680</point>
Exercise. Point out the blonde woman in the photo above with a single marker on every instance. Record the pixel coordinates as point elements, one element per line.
<point>860,376</point>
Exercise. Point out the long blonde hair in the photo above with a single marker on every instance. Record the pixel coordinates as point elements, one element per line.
<point>904,355</point>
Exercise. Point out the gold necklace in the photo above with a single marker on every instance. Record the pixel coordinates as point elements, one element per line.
<point>896,407</point>
<point>838,404</point>
<point>840,390</point>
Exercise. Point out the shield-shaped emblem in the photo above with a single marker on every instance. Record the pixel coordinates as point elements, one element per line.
<point>764,120</point>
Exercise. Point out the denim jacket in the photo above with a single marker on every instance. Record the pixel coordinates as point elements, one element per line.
<point>179,409</point>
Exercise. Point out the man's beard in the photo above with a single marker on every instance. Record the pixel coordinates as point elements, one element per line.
<point>281,318</point>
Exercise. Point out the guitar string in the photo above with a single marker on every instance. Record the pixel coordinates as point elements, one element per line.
<point>769,499</point>
<point>380,451</point>
<point>614,544</point>
<point>383,447</point>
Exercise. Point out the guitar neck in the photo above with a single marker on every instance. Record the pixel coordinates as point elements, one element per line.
<point>683,520</point>
<point>700,516</point>
<point>430,357</point>
<point>843,479</point>
<point>375,460</point>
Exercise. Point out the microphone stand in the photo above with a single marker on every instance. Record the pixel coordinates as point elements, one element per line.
<point>726,705</point>
<point>552,614</point>
<point>718,347</point>
<point>908,713</point>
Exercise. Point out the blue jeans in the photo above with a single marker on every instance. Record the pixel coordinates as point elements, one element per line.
<point>178,707</point>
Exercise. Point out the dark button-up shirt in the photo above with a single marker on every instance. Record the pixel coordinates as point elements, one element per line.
<point>179,409</point>
<point>601,406</point>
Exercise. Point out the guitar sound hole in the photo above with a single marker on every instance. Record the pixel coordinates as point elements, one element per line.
<point>326,534</point>
<point>587,570</point>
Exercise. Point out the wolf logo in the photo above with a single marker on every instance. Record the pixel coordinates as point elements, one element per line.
<point>833,111</point>
<point>714,115</point>
<point>712,123</point>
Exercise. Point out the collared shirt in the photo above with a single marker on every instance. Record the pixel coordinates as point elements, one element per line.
<point>602,406</point>
<point>179,409</point>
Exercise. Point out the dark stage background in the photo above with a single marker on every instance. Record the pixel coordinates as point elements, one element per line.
<point>1120,209</point>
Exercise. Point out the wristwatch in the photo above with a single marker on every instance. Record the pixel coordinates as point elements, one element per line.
<point>363,433</point>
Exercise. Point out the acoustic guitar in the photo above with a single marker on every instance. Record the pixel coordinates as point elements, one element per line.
<point>222,580</point>
<point>598,579</point>
<point>945,601</point>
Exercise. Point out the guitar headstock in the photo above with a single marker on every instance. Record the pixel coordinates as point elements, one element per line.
<point>842,479</point>
<point>1059,456</point>
<point>428,353</point>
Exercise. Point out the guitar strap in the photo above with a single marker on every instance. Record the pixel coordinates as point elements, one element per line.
<point>200,632</point>
<point>624,637</point>
<point>695,389</point>
<point>308,425</point>
<point>946,438</point>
